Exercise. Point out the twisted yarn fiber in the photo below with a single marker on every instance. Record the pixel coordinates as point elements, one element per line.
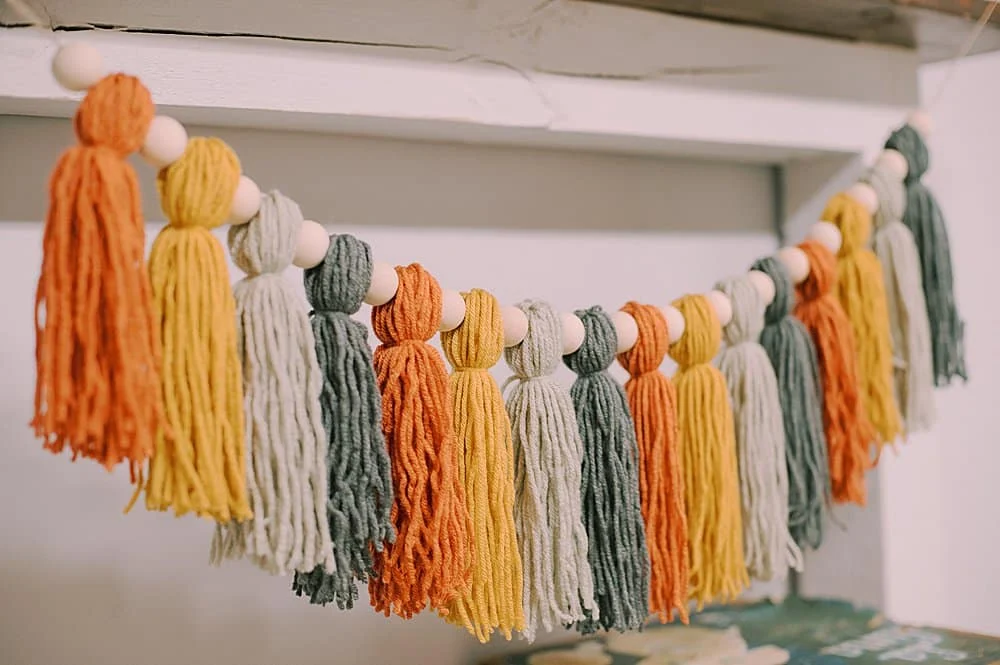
<point>848,431</point>
<point>360,481</point>
<point>430,560</point>
<point>286,474</point>
<point>913,362</point>
<point>486,468</point>
<point>708,452</point>
<point>925,220</point>
<point>861,290</point>
<point>199,464</point>
<point>97,350</point>
<point>769,549</point>
<point>793,357</point>
<point>612,512</point>
<point>548,458</point>
<point>652,400</point>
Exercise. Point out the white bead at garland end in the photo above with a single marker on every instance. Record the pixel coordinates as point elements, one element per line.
<point>515,325</point>
<point>921,121</point>
<point>246,202</point>
<point>385,283</point>
<point>77,66</point>
<point>722,305</point>
<point>826,234</point>
<point>796,263</point>
<point>893,161</point>
<point>626,330</point>
<point>764,285</point>
<point>452,310</point>
<point>675,323</point>
<point>165,142</point>
<point>864,194</point>
<point>311,246</point>
<point>573,332</point>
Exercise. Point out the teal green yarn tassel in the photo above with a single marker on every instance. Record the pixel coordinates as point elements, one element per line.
<point>924,218</point>
<point>793,356</point>
<point>612,512</point>
<point>360,483</point>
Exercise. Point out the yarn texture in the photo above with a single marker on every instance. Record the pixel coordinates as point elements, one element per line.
<point>612,511</point>
<point>360,480</point>
<point>97,351</point>
<point>925,220</point>
<point>861,290</point>
<point>848,431</point>
<point>796,368</point>
<point>548,459</point>
<point>486,468</point>
<point>430,561</point>
<point>708,450</point>
<point>913,362</point>
<point>200,461</point>
<point>769,549</point>
<point>286,471</point>
<point>652,400</point>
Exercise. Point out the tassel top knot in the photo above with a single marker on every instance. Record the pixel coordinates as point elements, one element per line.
<point>784,291</point>
<point>822,271</point>
<point>702,335</point>
<point>600,341</point>
<point>197,190</point>
<point>266,245</point>
<point>414,314</point>
<point>477,344</point>
<point>748,312</point>
<point>115,114</point>
<point>911,145</point>
<point>340,282</point>
<point>540,352</point>
<point>651,346</point>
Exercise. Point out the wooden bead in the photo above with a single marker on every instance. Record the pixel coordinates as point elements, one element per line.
<point>165,142</point>
<point>626,330</point>
<point>826,234</point>
<point>515,325</point>
<point>864,194</point>
<point>246,201</point>
<point>385,283</point>
<point>573,332</point>
<point>77,66</point>
<point>796,263</point>
<point>675,323</point>
<point>311,246</point>
<point>921,121</point>
<point>893,162</point>
<point>452,309</point>
<point>764,285</point>
<point>722,306</point>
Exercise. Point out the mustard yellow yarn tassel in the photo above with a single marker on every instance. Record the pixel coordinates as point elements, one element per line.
<point>199,464</point>
<point>708,453</point>
<point>486,468</point>
<point>861,291</point>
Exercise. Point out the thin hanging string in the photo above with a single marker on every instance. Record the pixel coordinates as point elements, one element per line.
<point>769,549</point>
<point>708,450</point>
<point>652,400</point>
<point>360,480</point>
<point>430,562</point>
<point>612,509</point>
<point>913,363</point>
<point>848,432</point>
<point>963,51</point>
<point>860,288</point>
<point>286,470</point>
<point>486,467</point>
<point>793,357</point>
<point>548,460</point>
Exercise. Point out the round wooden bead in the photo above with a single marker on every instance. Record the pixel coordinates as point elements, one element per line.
<point>77,66</point>
<point>165,142</point>
<point>921,121</point>
<point>722,306</point>
<point>385,283</point>
<point>515,325</point>
<point>452,309</point>
<point>764,285</point>
<point>573,332</point>
<point>675,323</point>
<point>893,162</point>
<point>796,263</point>
<point>626,330</point>
<point>246,201</point>
<point>826,234</point>
<point>311,246</point>
<point>864,194</point>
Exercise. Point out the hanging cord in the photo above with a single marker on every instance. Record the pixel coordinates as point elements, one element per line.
<point>769,549</point>
<point>430,560</point>
<point>652,400</point>
<point>612,511</point>
<point>708,451</point>
<point>360,480</point>
<point>964,50</point>
<point>913,362</point>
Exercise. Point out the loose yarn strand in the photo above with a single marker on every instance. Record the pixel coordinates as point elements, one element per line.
<point>612,511</point>
<point>708,453</point>
<point>360,480</point>
<point>286,472</point>
<point>652,400</point>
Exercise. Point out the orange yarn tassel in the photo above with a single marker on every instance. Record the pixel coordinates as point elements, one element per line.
<point>652,399</point>
<point>97,352</point>
<point>848,430</point>
<point>430,560</point>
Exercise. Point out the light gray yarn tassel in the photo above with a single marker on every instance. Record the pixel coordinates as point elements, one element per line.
<point>548,457</point>
<point>768,547</point>
<point>286,473</point>
<point>893,243</point>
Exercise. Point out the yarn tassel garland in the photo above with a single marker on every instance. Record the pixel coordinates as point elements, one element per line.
<point>612,511</point>
<point>652,400</point>
<point>925,220</point>
<point>286,470</point>
<point>793,357</point>
<point>769,549</point>
<point>861,290</point>
<point>913,361</point>
<point>486,468</point>
<point>360,480</point>
<point>430,561</point>
<point>97,350</point>
<point>548,460</point>
<point>199,464</point>
<point>708,451</point>
<point>848,431</point>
